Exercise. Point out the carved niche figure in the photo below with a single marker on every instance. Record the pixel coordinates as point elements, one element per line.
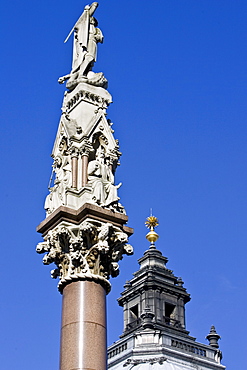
<point>101,178</point>
<point>57,197</point>
<point>86,37</point>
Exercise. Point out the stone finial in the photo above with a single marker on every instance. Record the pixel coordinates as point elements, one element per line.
<point>180,282</point>
<point>152,236</point>
<point>213,337</point>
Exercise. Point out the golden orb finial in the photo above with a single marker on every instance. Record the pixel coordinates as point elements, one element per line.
<point>152,236</point>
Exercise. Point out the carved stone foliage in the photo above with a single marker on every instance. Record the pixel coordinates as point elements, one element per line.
<point>90,251</point>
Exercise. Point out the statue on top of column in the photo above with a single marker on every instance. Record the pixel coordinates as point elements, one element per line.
<point>86,38</point>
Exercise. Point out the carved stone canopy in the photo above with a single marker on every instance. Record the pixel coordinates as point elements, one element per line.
<point>85,153</point>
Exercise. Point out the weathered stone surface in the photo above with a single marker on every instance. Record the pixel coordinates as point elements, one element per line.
<point>79,215</point>
<point>85,153</point>
<point>88,251</point>
<point>84,132</point>
<point>86,37</point>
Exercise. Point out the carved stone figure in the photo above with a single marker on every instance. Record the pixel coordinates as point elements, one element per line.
<point>86,38</point>
<point>57,196</point>
<point>101,178</point>
<point>89,251</point>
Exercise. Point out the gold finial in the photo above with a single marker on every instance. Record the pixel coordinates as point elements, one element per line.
<point>152,236</point>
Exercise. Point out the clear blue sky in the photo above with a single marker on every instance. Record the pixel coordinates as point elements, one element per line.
<point>177,70</point>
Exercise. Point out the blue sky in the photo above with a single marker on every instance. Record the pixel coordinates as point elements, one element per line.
<point>177,73</point>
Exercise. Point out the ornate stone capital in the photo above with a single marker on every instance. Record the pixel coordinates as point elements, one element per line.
<point>86,147</point>
<point>74,152</point>
<point>89,251</point>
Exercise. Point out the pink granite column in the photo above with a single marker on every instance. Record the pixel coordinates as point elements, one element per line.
<point>84,159</point>
<point>83,331</point>
<point>74,161</point>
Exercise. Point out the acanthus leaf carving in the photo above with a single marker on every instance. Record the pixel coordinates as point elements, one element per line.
<point>90,251</point>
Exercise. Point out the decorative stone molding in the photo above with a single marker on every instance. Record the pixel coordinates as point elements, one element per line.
<point>88,97</point>
<point>74,152</point>
<point>89,251</point>
<point>151,361</point>
<point>147,318</point>
<point>86,147</point>
<point>188,347</point>
<point>123,347</point>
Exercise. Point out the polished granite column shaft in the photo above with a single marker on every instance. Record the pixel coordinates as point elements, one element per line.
<point>83,332</point>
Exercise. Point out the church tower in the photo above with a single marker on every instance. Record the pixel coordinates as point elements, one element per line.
<point>84,232</point>
<point>154,334</point>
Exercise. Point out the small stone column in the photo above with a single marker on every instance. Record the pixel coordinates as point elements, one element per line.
<point>85,150</point>
<point>84,160</point>
<point>74,165</point>
<point>180,306</point>
<point>83,331</point>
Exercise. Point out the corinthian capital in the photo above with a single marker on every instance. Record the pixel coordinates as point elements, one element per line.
<point>89,251</point>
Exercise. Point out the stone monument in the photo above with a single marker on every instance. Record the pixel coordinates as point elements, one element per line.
<point>84,232</point>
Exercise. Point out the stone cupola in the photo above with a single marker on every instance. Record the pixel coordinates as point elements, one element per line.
<point>154,334</point>
<point>155,296</point>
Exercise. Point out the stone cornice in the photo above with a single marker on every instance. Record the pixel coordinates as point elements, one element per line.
<point>77,216</point>
<point>88,93</point>
<point>152,281</point>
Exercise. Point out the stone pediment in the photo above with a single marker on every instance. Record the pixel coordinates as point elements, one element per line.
<point>66,129</point>
<point>99,128</point>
